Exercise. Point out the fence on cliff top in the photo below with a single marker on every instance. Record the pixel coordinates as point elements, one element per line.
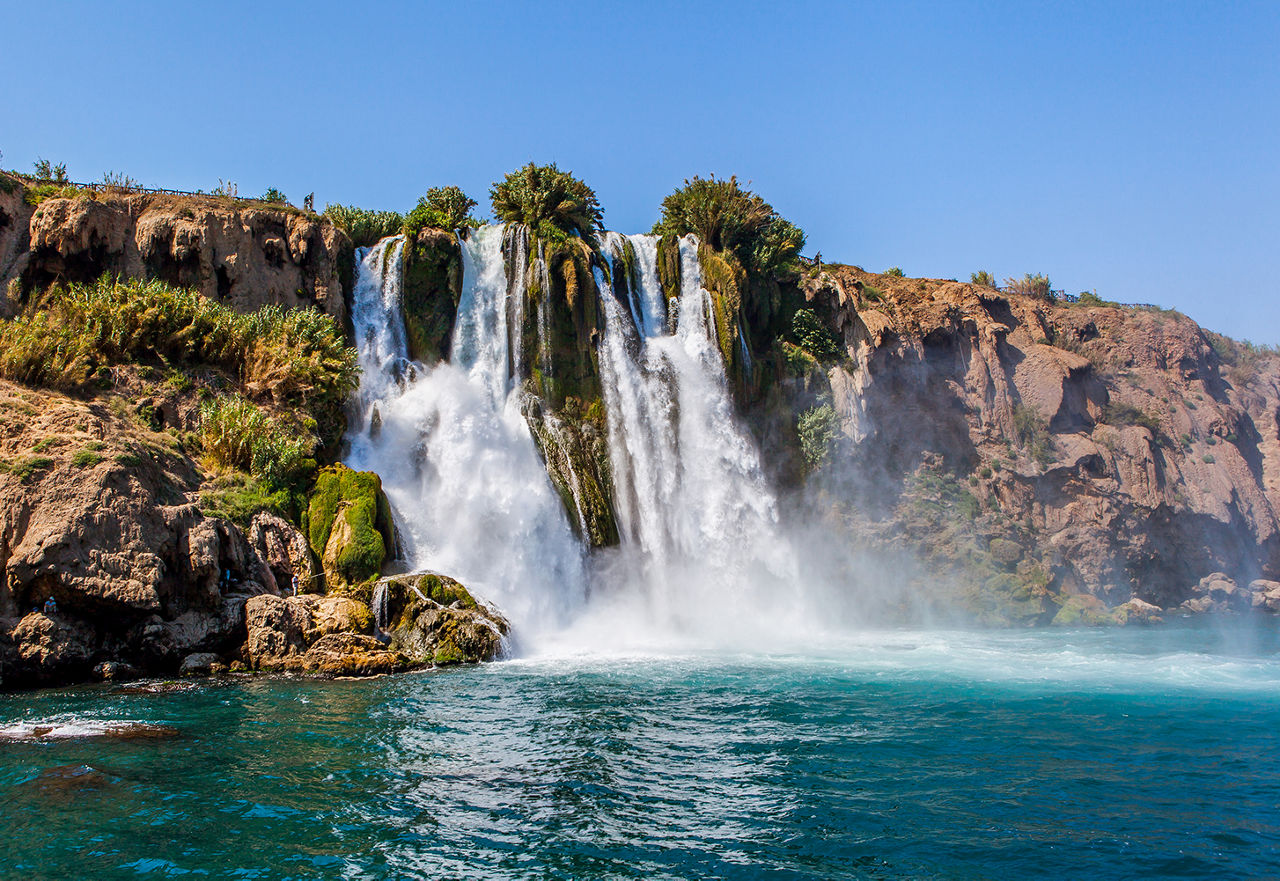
<point>135,189</point>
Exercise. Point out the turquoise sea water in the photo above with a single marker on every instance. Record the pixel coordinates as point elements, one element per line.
<point>1107,754</point>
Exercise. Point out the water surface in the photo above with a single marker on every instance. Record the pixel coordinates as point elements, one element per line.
<point>1099,754</point>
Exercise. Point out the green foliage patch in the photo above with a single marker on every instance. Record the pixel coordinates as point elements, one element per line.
<point>295,357</point>
<point>812,335</point>
<point>817,428</point>
<point>552,203</point>
<point>364,227</point>
<point>446,208</point>
<point>727,217</point>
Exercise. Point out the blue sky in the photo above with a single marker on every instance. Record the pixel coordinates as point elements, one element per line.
<point>1132,148</point>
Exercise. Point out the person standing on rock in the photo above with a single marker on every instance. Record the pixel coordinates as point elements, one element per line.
<point>295,584</point>
<point>50,607</point>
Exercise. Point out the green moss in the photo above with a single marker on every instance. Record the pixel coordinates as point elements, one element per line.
<point>669,265</point>
<point>1083,610</point>
<point>432,288</point>
<point>445,591</point>
<point>357,496</point>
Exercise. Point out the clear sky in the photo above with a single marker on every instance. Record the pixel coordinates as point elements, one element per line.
<point>1131,148</point>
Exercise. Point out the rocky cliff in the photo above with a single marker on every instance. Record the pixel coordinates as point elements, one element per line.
<point>245,254</point>
<point>1035,451</point>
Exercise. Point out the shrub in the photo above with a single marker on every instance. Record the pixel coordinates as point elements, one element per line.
<point>1029,285</point>
<point>237,433</point>
<point>274,196</point>
<point>297,356</point>
<point>1032,433</point>
<point>984,278</point>
<point>46,171</point>
<point>729,218</point>
<point>817,428</point>
<point>86,458</point>
<point>365,227</point>
<point>29,467</point>
<point>812,335</point>
<point>446,208</point>
<point>1116,413</point>
<point>895,271</point>
<point>119,182</point>
<point>552,203</point>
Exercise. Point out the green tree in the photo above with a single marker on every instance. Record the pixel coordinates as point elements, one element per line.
<point>729,218</point>
<point>445,208</point>
<point>552,203</point>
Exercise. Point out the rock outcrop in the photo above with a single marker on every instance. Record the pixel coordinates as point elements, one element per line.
<point>1117,448</point>
<point>242,253</point>
<point>349,526</point>
<point>99,513</point>
<point>330,636</point>
<point>435,620</point>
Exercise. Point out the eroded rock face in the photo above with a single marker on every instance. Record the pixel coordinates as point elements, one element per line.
<point>1114,445</point>
<point>318,635</point>
<point>434,620</point>
<point>99,514</point>
<point>242,254</point>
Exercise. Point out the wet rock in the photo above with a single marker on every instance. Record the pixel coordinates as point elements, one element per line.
<point>293,634</point>
<point>114,671</point>
<point>202,664</point>
<point>1266,595</point>
<point>1217,593</point>
<point>433,619</point>
<point>1137,611</point>
<point>351,654</point>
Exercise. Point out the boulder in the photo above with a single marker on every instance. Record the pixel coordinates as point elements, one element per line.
<point>433,619</point>
<point>349,526</point>
<point>1266,595</point>
<point>311,634</point>
<point>202,664</point>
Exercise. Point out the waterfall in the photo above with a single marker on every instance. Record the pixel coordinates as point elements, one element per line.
<point>698,519</point>
<point>381,604</point>
<point>470,493</point>
<point>699,527</point>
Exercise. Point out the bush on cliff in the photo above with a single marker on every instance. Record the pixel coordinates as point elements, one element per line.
<point>810,334</point>
<point>729,218</point>
<point>237,433</point>
<point>1029,285</point>
<point>295,357</point>
<point>365,227</point>
<point>446,208</point>
<point>552,203</point>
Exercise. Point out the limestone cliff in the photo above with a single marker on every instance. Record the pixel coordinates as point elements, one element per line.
<point>241,253</point>
<point>1066,448</point>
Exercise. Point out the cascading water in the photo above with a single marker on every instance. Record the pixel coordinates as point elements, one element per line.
<point>698,520</point>
<point>700,549</point>
<point>471,496</point>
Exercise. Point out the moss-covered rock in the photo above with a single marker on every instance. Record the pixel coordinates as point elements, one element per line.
<point>1084,610</point>
<point>349,526</point>
<point>430,294</point>
<point>433,619</point>
<point>562,322</point>
<point>574,446</point>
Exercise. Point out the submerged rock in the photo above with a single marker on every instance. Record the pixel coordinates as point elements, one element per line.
<point>435,620</point>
